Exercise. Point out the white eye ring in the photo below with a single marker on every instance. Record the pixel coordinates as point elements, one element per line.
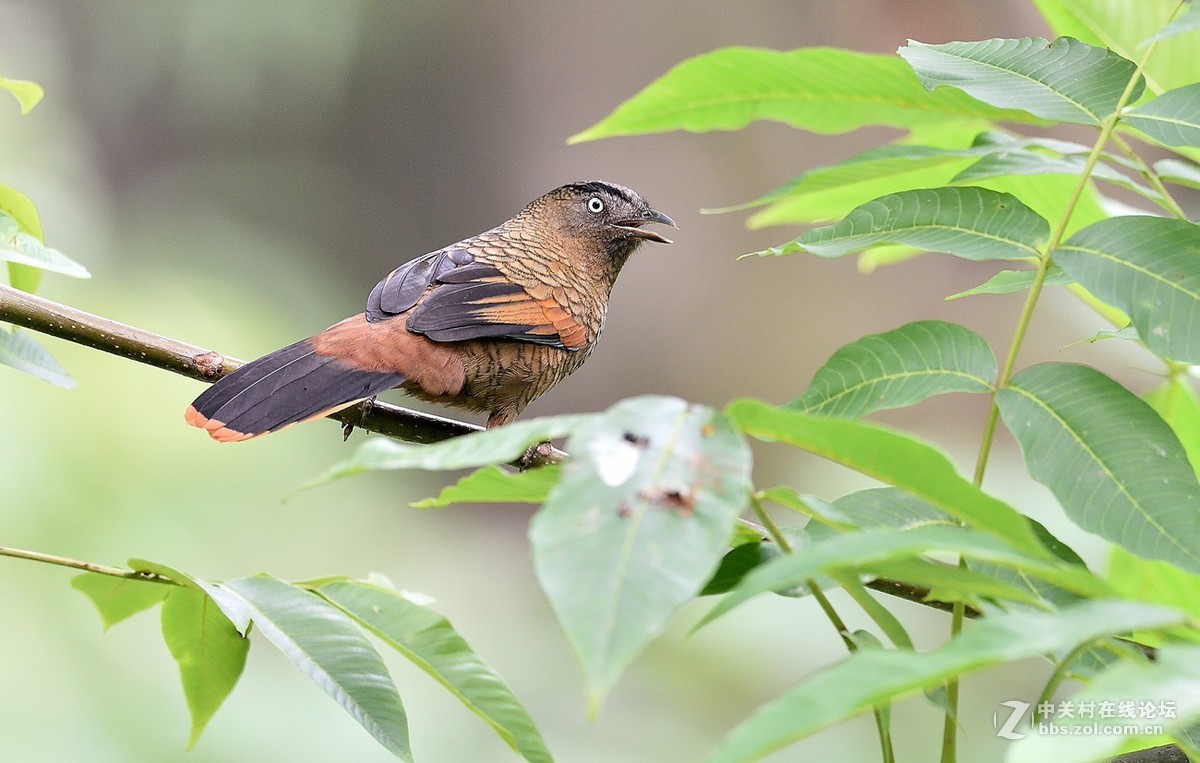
<point>595,205</point>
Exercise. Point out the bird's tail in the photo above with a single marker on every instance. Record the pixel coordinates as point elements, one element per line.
<point>286,387</point>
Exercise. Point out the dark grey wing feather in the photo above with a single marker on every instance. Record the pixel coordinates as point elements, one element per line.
<point>404,286</point>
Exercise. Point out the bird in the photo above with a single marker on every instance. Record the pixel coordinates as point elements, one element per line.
<point>487,324</point>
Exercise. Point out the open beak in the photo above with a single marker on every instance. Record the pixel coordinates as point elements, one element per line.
<point>634,227</point>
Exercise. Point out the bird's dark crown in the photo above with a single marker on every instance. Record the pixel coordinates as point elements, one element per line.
<point>597,209</point>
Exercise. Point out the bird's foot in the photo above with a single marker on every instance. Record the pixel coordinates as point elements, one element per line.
<point>536,455</point>
<point>364,409</point>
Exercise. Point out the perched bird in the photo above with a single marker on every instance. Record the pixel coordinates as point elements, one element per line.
<point>488,324</point>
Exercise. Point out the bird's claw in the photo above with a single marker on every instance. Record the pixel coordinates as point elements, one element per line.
<point>535,455</point>
<point>364,409</point>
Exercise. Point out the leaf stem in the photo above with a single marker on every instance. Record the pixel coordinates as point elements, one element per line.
<point>1056,678</point>
<point>950,727</point>
<point>768,522</point>
<point>1170,204</point>
<point>100,569</point>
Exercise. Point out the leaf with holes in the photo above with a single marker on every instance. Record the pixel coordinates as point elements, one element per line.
<point>1148,267</point>
<point>898,368</point>
<point>1172,118</point>
<point>636,526</point>
<point>1066,80</point>
<point>1115,466</point>
<point>969,222</point>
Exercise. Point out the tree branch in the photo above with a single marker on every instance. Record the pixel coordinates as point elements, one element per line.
<point>39,314</point>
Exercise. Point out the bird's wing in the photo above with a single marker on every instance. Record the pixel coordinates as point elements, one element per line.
<point>450,297</point>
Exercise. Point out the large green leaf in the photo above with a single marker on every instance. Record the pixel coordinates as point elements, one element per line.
<point>493,446</point>
<point>330,649</point>
<point>29,94</point>
<point>870,678</point>
<point>636,526</point>
<point>898,368</point>
<point>1172,118</point>
<point>1148,267</point>
<point>17,246</point>
<point>20,351</point>
<point>1067,80</point>
<point>894,458</point>
<point>854,550</point>
<point>117,599</point>
<point>494,484</point>
<point>208,649</point>
<point>969,222</point>
<point>824,90</point>
<point>1172,680</point>
<point>1123,26</point>
<point>1112,462</point>
<point>431,642</point>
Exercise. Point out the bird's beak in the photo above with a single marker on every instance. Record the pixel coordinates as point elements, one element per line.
<point>634,227</point>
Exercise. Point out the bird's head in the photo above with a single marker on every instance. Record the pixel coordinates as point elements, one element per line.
<point>603,216</point>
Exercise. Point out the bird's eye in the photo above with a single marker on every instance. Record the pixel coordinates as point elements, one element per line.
<point>595,205</point>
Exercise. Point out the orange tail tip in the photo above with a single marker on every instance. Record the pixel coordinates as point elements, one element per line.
<point>216,429</point>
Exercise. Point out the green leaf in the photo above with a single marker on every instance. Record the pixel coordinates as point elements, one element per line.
<point>828,193</point>
<point>1188,21</point>
<point>1174,677</point>
<point>969,222</point>
<point>1178,172</point>
<point>20,351</point>
<point>950,583</point>
<point>823,90</point>
<point>1149,267</point>
<point>23,248</point>
<point>870,678</point>
<point>865,548</point>
<point>636,526</point>
<point>899,368</point>
<point>1154,582</point>
<point>888,507</point>
<point>330,649</point>
<point>209,650</point>
<point>117,599</point>
<point>1123,26</point>
<point>1172,118</point>
<point>1114,465</point>
<point>21,208</point>
<point>1178,405</point>
<point>29,94</point>
<point>1008,281</point>
<point>1020,161</point>
<point>429,640</point>
<point>494,484</point>
<point>483,448</point>
<point>736,563</point>
<point>891,457</point>
<point>1066,80</point>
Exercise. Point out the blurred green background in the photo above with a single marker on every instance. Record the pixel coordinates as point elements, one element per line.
<point>239,175</point>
